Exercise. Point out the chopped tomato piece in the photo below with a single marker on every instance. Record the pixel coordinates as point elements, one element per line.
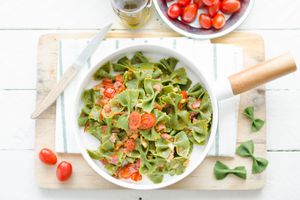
<point>196,104</point>
<point>136,176</point>
<point>119,87</point>
<point>184,94</point>
<point>147,121</point>
<point>134,120</point>
<point>107,83</point>
<point>104,128</point>
<point>104,161</point>
<point>119,78</point>
<point>129,145</point>
<point>114,159</point>
<point>109,92</point>
<point>157,106</point>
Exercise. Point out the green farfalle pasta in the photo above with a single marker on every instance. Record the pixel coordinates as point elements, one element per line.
<point>246,149</point>
<point>221,171</point>
<point>256,124</point>
<point>137,86</point>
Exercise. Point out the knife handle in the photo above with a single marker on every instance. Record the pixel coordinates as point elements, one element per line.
<point>55,91</point>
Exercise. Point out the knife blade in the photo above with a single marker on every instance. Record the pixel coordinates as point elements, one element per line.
<point>71,72</point>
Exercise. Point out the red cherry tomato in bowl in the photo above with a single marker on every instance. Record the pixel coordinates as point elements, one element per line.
<point>189,13</point>
<point>64,171</point>
<point>174,11</point>
<point>183,2</point>
<point>147,121</point>
<point>230,6</point>
<point>214,9</point>
<point>218,21</point>
<point>210,2</point>
<point>199,3</point>
<point>205,21</point>
<point>47,156</point>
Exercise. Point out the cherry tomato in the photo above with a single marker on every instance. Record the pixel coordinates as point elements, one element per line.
<point>218,21</point>
<point>189,13</point>
<point>230,6</point>
<point>174,11</point>
<point>136,176</point>
<point>119,87</point>
<point>214,9</point>
<point>205,21</point>
<point>134,120</point>
<point>210,2</point>
<point>147,121</point>
<point>183,2</point>
<point>129,145</point>
<point>119,78</point>
<point>47,156</point>
<point>109,92</point>
<point>107,83</point>
<point>199,3</point>
<point>64,171</point>
<point>184,94</point>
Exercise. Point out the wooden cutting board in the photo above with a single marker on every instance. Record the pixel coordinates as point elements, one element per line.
<point>202,178</point>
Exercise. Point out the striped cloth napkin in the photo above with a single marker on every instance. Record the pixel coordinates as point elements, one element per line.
<point>215,60</point>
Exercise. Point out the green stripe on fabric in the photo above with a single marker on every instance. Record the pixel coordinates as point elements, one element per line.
<point>116,44</point>
<point>89,63</point>
<point>174,43</point>
<point>215,61</point>
<point>63,116</point>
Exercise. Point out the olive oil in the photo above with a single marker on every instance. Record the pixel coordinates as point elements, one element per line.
<point>132,13</point>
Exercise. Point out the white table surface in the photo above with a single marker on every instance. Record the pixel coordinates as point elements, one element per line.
<point>22,22</point>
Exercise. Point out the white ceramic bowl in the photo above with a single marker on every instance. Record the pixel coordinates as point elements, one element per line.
<point>86,141</point>
<point>194,30</point>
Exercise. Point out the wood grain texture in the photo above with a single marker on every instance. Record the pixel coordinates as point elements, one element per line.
<point>202,178</point>
<point>262,73</point>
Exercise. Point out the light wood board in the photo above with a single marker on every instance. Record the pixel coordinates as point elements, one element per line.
<point>202,178</point>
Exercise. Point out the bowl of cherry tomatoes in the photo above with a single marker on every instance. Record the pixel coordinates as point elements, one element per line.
<point>203,19</point>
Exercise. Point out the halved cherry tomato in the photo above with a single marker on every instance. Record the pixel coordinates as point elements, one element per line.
<point>174,11</point>
<point>129,145</point>
<point>210,2</point>
<point>184,94</point>
<point>64,171</point>
<point>136,176</point>
<point>119,78</point>
<point>230,6</point>
<point>147,121</point>
<point>183,2</point>
<point>47,156</point>
<point>189,13</point>
<point>218,21</point>
<point>127,170</point>
<point>213,9</point>
<point>107,83</point>
<point>109,92</point>
<point>119,87</point>
<point>199,3</point>
<point>205,21</point>
<point>134,120</point>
